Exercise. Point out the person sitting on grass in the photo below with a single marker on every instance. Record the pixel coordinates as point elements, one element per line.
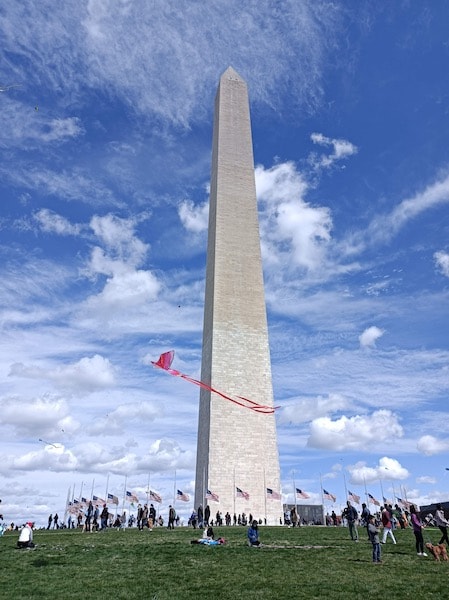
<point>208,533</point>
<point>26,536</point>
<point>253,534</point>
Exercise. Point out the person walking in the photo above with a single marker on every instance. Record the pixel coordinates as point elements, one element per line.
<point>417,530</point>
<point>441,523</point>
<point>351,516</point>
<point>387,525</point>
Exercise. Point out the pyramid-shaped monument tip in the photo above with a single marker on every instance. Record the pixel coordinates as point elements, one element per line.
<point>231,73</point>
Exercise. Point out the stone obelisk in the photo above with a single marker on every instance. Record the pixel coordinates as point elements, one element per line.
<point>237,447</point>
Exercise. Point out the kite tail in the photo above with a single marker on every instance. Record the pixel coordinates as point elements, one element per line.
<point>165,361</point>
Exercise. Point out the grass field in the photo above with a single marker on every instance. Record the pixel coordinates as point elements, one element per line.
<point>162,565</point>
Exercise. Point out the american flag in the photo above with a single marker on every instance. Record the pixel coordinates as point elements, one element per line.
<point>386,501</point>
<point>131,497</point>
<point>353,497</point>
<point>403,503</point>
<point>273,495</point>
<point>211,496</point>
<point>329,496</point>
<point>373,500</point>
<point>84,501</point>
<point>112,499</point>
<point>97,501</point>
<point>155,497</point>
<point>181,496</point>
<point>241,494</point>
<point>301,494</point>
<point>75,501</point>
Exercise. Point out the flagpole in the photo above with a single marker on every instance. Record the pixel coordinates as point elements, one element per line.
<point>322,499</point>
<point>67,505</point>
<point>174,490</point>
<point>107,489</point>
<point>265,495</point>
<point>234,491</point>
<point>382,490</point>
<point>346,489</point>
<point>294,491</point>
<point>92,491</point>
<point>124,494</point>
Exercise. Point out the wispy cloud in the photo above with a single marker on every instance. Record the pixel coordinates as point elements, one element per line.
<point>165,59</point>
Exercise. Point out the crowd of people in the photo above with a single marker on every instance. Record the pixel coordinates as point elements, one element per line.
<point>380,527</point>
<point>385,521</point>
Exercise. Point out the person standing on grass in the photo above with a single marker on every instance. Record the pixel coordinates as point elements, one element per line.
<point>351,515</point>
<point>151,517</point>
<point>200,516</point>
<point>139,517</point>
<point>144,517</point>
<point>373,532</point>
<point>104,517</point>
<point>441,523</point>
<point>253,534</point>
<point>365,516</point>
<point>417,530</point>
<point>399,516</point>
<point>387,525</point>
<point>171,517</point>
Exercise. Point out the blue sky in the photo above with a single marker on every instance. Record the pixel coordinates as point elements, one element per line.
<point>105,135</point>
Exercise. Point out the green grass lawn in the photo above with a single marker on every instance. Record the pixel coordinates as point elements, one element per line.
<point>162,564</point>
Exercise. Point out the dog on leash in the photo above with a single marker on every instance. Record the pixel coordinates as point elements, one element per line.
<point>438,552</point>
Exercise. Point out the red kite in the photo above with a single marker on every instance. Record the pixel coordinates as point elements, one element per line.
<point>165,361</point>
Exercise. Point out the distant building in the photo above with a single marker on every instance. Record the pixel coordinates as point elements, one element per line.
<point>428,509</point>
<point>310,514</point>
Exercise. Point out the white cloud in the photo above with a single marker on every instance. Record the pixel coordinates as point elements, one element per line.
<point>125,286</point>
<point>194,218</point>
<point>358,432</point>
<point>426,479</point>
<point>42,417</point>
<point>388,469</point>
<point>88,374</point>
<point>341,149</point>
<point>369,337</point>
<point>442,262</point>
<point>308,409</point>
<point>119,239</point>
<point>289,225</point>
<point>118,419</point>
<point>430,445</point>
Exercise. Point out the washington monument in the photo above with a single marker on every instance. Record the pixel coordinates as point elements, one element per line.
<point>237,454</point>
